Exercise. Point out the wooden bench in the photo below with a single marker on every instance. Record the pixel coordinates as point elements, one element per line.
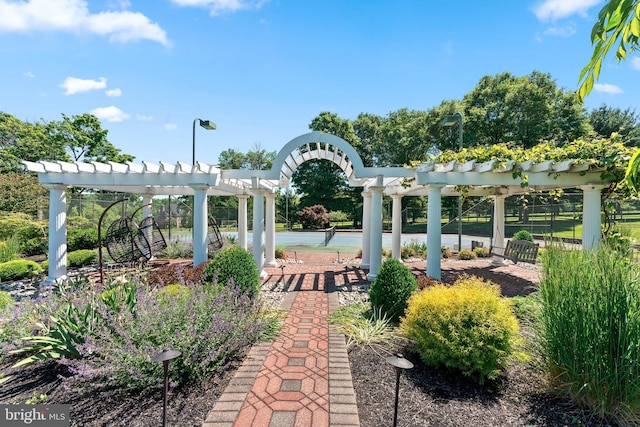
<point>520,250</point>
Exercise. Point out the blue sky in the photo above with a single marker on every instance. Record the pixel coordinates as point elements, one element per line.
<point>263,69</point>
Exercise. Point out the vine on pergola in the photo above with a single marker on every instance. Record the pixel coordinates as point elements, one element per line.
<point>609,154</point>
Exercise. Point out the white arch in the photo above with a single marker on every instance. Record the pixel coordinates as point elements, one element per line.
<point>327,147</point>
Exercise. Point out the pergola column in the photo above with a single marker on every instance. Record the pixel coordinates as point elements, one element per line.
<point>396,226</point>
<point>242,220</point>
<point>434,235</point>
<point>591,216</point>
<point>498,228</point>
<point>200,224</point>
<point>270,230</point>
<point>57,233</point>
<point>258,226</point>
<point>366,231</point>
<point>375,251</point>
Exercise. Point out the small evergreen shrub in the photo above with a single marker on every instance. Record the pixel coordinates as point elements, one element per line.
<point>466,254</point>
<point>82,238</point>
<point>391,289</point>
<point>481,252</point>
<point>34,246</point>
<point>313,217</point>
<point>82,258</point>
<point>523,235</point>
<point>234,263</point>
<point>467,326</point>
<point>19,269</point>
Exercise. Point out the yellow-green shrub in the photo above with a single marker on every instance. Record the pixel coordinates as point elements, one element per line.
<point>466,254</point>
<point>19,269</point>
<point>173,291</point>
<point>467,326</point>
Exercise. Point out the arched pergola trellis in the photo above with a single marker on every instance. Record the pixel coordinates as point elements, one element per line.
<point>202,180</point>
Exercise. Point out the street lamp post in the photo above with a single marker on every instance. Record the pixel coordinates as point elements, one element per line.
<point>208,125</point>
<point>449,121</point>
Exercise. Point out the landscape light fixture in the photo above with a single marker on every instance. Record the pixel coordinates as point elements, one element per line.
<point>449,121</point>
<point>165,357</point>
<point>399,362</point>
<point>206,124</point>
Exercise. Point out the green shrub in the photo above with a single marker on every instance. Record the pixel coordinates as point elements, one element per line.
<point>466,254</point>
<point>34,246</point>
<point>81,258</point>
<point>523,235</point>
<point>590,329</point>
<point>19,269</point>
<point>237,264</point>
<point>9,249</point>
<point>280,253</point>
<point>82,238</point>
<point>481,252</point>
<point>467,326</point>
<point>6,302</point>
<point>413,248</point>
<point>21,226</point>
<point>391,289</point>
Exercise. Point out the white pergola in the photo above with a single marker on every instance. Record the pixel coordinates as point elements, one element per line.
<point>202,180</point>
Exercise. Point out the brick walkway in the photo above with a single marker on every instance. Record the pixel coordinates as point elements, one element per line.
<point>303,378</point>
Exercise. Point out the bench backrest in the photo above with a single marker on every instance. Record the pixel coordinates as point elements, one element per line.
<point>522,250</point>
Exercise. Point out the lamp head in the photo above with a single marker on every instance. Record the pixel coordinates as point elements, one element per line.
<point>450,120</point>
<point>208,124</point>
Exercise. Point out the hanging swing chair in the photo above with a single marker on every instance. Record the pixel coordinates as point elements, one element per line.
<point>214,235</point>
<point>120,241</point>
<point>149,231</point>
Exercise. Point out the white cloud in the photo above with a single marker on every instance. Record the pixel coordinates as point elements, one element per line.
<point>74,85</point>
<point>113,92</point>
<point>607,88</point>
<point>218,7</point>
<point>564,31</point>
<point>30,75</point>
<point>74,16</point>
<point>110,114</point>
<point>558,9</point>
<point>143,118</point>
<point>170,126</point>
<point>635,63</point>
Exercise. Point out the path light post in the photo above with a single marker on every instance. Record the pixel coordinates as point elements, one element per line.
<point>449,121</point>
<point>399,362</point>
<point>165,357</point>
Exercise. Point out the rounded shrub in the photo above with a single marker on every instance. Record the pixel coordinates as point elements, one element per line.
<point>234,263</point>
<point>82,238</point>
<point>481,252</point>
<point>391,289</point>
<point>18,269</point>
<point>81,258</point>
<point>466,254</point>
<point>523,235</point>
<point>467,326</point>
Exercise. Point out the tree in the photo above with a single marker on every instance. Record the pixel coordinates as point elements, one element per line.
<point>256,159</point>
<point>618,25</point>
<point>403,138</point>
<point>522,110</point>
<point>85,140</point>
<point>607,120</point>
